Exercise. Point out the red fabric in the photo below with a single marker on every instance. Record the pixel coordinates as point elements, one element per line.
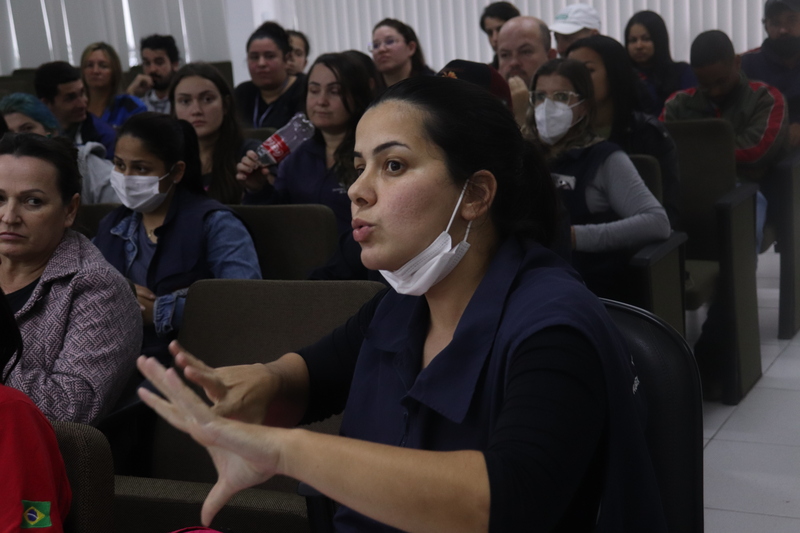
<point>774,123</point>
<point>31,467</point>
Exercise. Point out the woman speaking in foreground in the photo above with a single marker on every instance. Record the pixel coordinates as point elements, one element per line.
<point>488,390</point>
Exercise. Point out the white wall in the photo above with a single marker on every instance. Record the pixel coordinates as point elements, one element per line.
<point>36,31</point>
<point>448,29</point>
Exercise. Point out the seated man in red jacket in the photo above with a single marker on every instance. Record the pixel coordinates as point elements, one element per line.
<point>756,110</point>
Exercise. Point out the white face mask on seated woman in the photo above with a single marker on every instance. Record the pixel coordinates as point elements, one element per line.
<point>139,193</point>
<point>433,263</point>
<point>554,119</point>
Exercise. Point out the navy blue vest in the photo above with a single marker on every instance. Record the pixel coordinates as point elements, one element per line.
<point>454,403</point>
<point>605,273</point>
<point>180,257</point>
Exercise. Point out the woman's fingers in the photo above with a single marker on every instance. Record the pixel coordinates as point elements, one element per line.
<point>198,372</point>
<point>144,292</point>
<point>182,405</point>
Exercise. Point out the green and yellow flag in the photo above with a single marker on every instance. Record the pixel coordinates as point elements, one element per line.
<point>35,515</point>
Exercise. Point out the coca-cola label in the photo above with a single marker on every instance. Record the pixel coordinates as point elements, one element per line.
<point>277,147</point>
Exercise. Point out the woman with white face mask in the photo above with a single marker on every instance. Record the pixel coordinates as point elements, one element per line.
<point>612,213</point>
<point>486,389</point>
<point>168,233</point>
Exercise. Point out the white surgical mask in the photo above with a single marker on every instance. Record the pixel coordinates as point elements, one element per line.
<point>553,120</point>
<point>139,193</point>
<point>432,264</point>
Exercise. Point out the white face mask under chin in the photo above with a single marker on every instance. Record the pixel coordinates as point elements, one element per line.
<point>431,265</point>
<point>139,193</point>
<point>553,120</point>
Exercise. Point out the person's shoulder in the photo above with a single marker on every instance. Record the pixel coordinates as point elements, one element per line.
<point>14,399</point>
<point>90,265</point>
<point>129,103</point>
<point>101,127</point>
<point>246,88</point>
<point>548,291</point>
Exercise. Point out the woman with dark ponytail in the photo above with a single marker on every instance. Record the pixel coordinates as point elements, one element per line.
<point>168,233</point>
<point>487,388</point>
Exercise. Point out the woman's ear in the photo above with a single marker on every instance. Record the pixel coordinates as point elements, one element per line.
<point>72,210</point>
<point>479,196</point>
<point>177,172</point>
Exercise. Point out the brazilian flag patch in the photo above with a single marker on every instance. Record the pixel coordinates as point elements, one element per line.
<point>35,515</point>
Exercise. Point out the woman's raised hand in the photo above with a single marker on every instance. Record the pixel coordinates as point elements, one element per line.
<point>243,454</point>
<point>242,392</point>
<point>252,173</point>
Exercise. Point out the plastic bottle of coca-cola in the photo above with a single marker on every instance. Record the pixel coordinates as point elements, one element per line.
<point>284,141</point>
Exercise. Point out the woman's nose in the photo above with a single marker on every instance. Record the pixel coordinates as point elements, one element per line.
<point>9,213</point>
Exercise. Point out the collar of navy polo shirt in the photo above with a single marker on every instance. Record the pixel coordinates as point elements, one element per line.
<point>460,363</point>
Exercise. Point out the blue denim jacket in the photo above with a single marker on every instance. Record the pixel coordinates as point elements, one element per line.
<point>231,255</point>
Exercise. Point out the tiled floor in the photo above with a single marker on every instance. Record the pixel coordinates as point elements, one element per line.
<point>752,450</point>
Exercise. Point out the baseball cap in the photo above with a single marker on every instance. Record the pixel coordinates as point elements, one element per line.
<point>479,74</point>
<point>574,18</point>
<point>771,5</point>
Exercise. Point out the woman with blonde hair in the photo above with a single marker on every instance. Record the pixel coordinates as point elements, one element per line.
<point>101,72</point>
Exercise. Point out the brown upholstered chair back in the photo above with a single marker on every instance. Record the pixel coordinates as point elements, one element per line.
<point>90,470</point>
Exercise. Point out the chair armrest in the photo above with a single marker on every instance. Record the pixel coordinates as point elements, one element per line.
<point>736,196</point>
<point>652,253</point>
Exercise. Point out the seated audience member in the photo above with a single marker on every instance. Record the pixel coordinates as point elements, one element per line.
<point>574,22</point>
<point>160,61</point>
<point>492,389</point>
<point>647,40</point>
<point>620,99</point>
<point>523,45</point>
<point>298,59</point>
<point>36,491</point>
<point>201,96</point>
<point>59,86</point>
<point>272,96</point>
<point>102,74</point>
<point>612,213</point>
<point>756,111</point>
<point>79,320</point>
<point>321,169</point>
<point>396,51</point>
<point>492,19</point>
<point>168,233</point>
<point>26,114</point>
<point>777,62</point>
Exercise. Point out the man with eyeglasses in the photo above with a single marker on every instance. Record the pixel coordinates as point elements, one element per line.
<point>523,45</point>
<point>777,61</point>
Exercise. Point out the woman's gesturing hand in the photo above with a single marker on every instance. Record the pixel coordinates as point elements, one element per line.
<point>242,392</point>
<point>243,454</point>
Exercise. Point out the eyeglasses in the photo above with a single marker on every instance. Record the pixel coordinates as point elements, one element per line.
<point>388,43</point>
<point>561,97</point>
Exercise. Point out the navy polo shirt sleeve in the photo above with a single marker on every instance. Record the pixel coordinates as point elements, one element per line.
<point>331,363</point>
<point>544,460</point>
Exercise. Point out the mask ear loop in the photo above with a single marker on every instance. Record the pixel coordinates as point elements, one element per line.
<point>453,216</point>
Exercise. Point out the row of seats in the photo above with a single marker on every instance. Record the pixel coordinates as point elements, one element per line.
<point>716,249</point>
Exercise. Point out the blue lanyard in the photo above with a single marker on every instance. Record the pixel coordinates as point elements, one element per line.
<point>255,112</point>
